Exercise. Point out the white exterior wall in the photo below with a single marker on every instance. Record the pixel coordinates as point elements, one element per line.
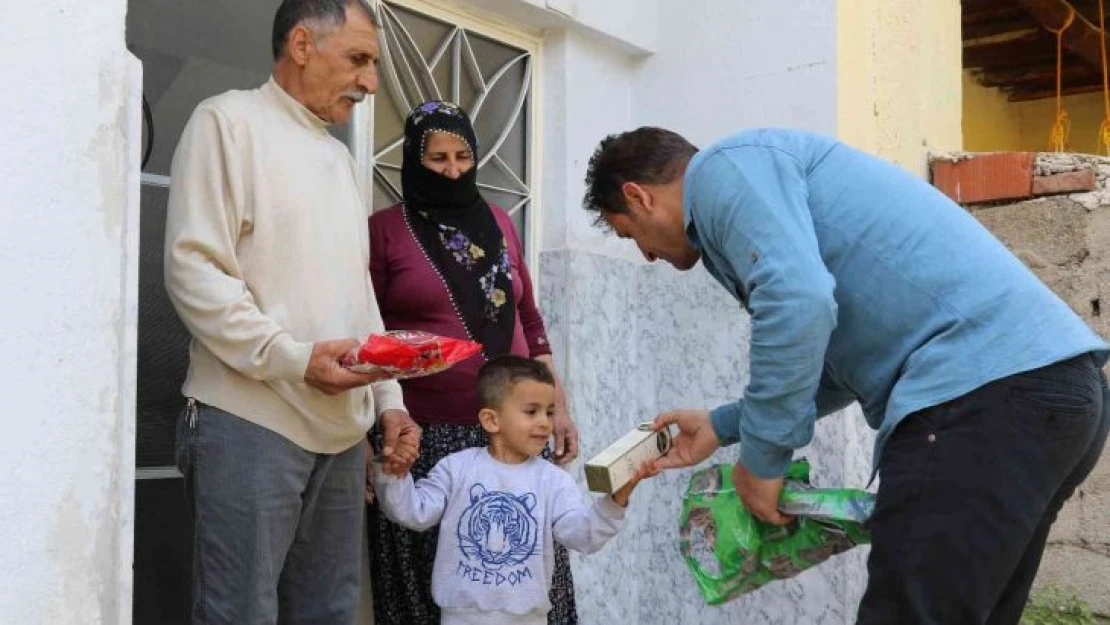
<point>711,70</point>
<point>68,234</point>
<point>587,94</point>
<point>720,67</point>
<point>633,340</point>
<point>628,25</point>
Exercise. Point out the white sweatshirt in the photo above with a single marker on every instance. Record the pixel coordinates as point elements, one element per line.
<point>267,252</point>
<point>497,527</point>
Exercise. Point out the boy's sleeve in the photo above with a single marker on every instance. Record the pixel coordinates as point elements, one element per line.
<point>415,505</point>
<point>581,526</point>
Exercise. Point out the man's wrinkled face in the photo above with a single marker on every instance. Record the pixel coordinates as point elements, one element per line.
<point>340,68</point>
<point>655,221</point>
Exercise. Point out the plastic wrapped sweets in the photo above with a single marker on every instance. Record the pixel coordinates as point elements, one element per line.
<point>400,354</point>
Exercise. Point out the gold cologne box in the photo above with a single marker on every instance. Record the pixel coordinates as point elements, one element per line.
<point>611,469</point>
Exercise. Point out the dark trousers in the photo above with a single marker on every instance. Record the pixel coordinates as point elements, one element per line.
<point>278,528</point>
<point>969,489</point>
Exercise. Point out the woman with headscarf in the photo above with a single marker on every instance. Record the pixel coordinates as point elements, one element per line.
<point>447,262</point>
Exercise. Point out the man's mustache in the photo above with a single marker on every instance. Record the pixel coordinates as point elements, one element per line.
<point>355,95</point>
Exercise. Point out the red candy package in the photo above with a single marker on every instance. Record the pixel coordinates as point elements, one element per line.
<point>400,354</point>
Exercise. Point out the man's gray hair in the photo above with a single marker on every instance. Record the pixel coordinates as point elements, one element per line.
<point>316,14</point>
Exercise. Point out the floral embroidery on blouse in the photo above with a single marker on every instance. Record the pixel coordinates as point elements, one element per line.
<point>464,252</point>
<point>467,253</point>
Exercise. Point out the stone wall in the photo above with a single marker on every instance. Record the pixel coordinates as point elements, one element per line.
<point>1053,212</point>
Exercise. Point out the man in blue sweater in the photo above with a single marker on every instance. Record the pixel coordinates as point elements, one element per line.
<point>866,284</point>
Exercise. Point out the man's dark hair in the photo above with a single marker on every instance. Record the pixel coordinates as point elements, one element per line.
<point>497,378</point>
<point>318,13</point>
<point>646,155</point>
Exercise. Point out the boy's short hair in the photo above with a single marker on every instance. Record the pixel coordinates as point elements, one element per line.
<point>498,376</point>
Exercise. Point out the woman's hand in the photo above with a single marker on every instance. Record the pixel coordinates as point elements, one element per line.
<point>566,437</point>
<point>566,433</point>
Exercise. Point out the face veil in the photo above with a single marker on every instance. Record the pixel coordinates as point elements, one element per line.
<point>457,229</point>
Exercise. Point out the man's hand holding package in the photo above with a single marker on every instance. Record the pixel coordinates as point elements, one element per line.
<point>696,441</point>
<point>760,496</point>
<point>326,372</point>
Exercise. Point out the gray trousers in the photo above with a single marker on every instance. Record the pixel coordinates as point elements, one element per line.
<point>278,528</point>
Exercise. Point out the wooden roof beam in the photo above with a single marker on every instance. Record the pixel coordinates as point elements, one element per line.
<point>1082,37</point>
<point>974,33</point>
<point>1020,52</point>
<point>1026,96</point>
<point>1040,74</point>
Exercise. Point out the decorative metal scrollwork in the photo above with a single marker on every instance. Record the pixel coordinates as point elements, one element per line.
<point>410,77</point>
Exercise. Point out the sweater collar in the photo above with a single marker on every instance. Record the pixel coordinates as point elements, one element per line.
<point>295,109</point>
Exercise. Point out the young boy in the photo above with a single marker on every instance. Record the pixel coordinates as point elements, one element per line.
<point>500,508</point>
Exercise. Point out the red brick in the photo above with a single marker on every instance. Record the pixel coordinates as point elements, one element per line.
<point>986,177</point>
<point>1070,182</point>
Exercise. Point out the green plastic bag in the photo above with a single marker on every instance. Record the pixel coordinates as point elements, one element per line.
<point>730,552</point>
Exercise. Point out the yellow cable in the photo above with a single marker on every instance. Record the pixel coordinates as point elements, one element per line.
<point>1061,127</point>
<point>1104,128</point>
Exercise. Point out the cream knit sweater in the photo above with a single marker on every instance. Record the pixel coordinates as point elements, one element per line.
<point>267,251</point>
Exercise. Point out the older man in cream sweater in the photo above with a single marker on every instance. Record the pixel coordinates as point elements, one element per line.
<point>266,262</point>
